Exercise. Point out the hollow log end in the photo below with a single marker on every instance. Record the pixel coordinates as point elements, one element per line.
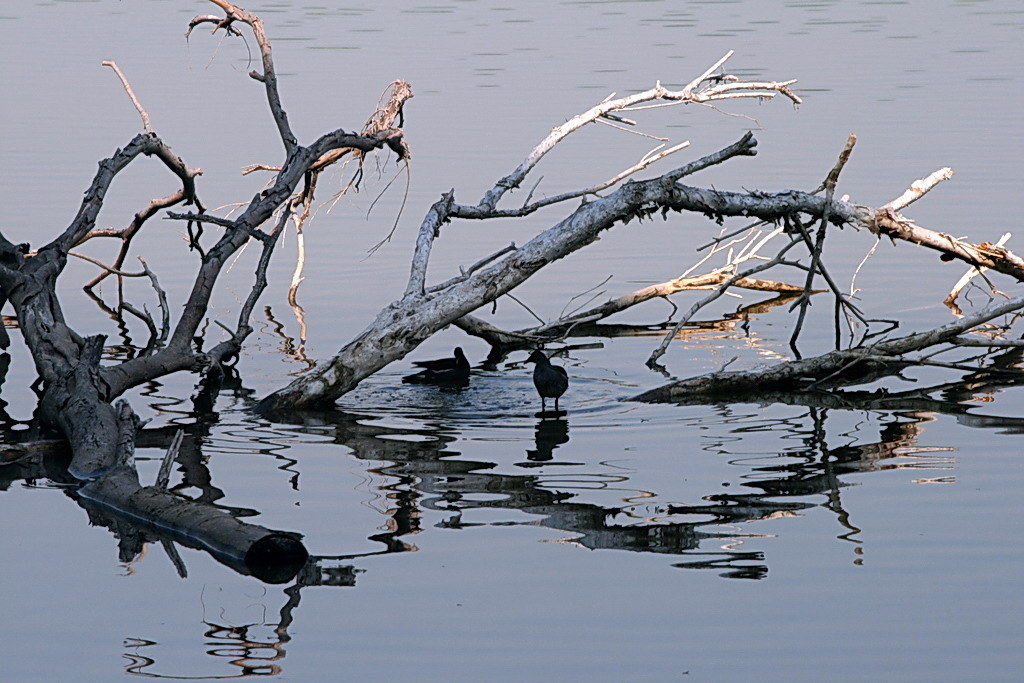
<point>276,558</point>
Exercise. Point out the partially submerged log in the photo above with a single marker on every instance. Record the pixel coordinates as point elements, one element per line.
<point>76,391</point>
<point>833,369</point>
<point>423,309</point>
<point>269,555</point>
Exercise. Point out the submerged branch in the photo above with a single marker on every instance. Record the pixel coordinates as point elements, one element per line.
<point>833,369</point>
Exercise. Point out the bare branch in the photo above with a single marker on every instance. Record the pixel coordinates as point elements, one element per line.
<point>718,292</point>
<point>109,269</point>
<point>689,94</point>
<point>972,273</point>
<point>148,144</point>
<point>269,76</point>
<point>835,368</point>
<point>918,189</point>
<point>126,234</point>
<point>429,230</point>
<point>128,89</point>
<point>165,323</point>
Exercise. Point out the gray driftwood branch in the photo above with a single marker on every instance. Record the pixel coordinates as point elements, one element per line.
<point>717,279</point>
<point>828,371</point>
<point>423,310</point>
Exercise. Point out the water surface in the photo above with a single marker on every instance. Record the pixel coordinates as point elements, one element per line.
<point>457,535</point>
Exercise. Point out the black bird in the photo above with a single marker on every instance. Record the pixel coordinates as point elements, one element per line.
<point>450,371</point>
<point>551,380</point>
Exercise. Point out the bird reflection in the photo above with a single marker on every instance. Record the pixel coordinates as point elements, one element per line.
<point>550,434</point>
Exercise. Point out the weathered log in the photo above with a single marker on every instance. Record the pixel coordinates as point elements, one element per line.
<point>77,390</point>
<point>406,323</point>
<point>833,369</point>
<point>269,555</point>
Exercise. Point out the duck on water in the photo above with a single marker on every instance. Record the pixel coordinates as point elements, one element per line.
<point>447,371</point>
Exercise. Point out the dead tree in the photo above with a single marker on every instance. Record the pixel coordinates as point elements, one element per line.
<point>424,309</point>
<point>77,394</point>
<point>837,368</point>
<point>865,362</point>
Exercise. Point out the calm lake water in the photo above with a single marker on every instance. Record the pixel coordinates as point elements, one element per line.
<point>457,536</point>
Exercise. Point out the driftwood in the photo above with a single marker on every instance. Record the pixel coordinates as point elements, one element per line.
<point>273,556</point>
<point>77,392</point>
<point>834,369</point>
<point>425,309</point>
<point>866,362</point>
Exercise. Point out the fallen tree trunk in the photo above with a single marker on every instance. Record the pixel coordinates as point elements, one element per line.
<point>423,310</point>
<point>833,369</point>
<point>76,391</point>
<point>271,556</point>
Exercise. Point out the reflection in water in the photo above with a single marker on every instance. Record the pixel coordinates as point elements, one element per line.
<point>428,484</point>
<point>550,434</point>
<point>422,474</point>
<point>425,476</point>
<point>253,648</point>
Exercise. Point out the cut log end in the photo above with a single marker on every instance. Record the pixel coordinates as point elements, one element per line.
<point>276,558</point>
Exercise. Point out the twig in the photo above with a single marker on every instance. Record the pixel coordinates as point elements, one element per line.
<point>163,477</point>
<point>829,185</point>
<point>723,237</point>
<point>528,309</point>
<point>165,325</point>
<point>918,189</point>
<point>175,557</point>
<point>973,272</point>
<point>109,269</point>
<point>126,234</point>
<point>856,272</point>
<point>269,76</point>
<point>144,316</point>
<point>627,130</point>
<point>131,94</point>
<point>582,294</point>
<point>719,291</point>
<point>464,273</point>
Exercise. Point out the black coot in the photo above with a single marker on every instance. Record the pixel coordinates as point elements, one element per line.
<point>551,380</point>
<point>452,371</point>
